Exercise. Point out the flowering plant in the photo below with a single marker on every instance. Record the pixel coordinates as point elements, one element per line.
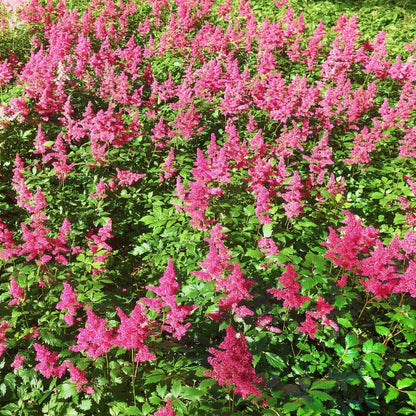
<point>207,207</point>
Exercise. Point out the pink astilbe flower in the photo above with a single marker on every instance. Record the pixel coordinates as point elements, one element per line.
<point>133,331</point>
<point>16,291</point>
<point>322,310</point>
<point>233,365</point>
<point>95,338</point>
<point>265,322</point>
<point>176,314</point>
<point>268,246</point>
<point>314,46</point>
<point>343,49</point>
<point>100,190</point>
<point>47,362</point>
<point>62,168</point>
<point>407,280</point>
<point>40,141</point>
<point>186,123</point>
<point>18,362</point>
<point>308,326</point>
<point>69,302</point>
<point>407,146</point>
<point>195,200</point>
<point>379,62</point>
<point>293,205</point>
<point>166,410</point>
<point>217,260</point>
<point>126,177</point>
<point>78,376</point>
<point>291,288</point>
<point>364,143</point>
<point>334,187</point>
<point>99,246</point>
<point>4,326</point>
<point>6,73</point>
<point>236,288</point>
<point>344,250</point>
<point>321,156</point>
<point>168,168</point>
<point>380,268</point>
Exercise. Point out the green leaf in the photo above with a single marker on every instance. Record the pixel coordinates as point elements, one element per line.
<point>67,390</point>
<point>404,382</point>
<point>412,396</point>
<point>146,408</point>
<point>392,394</point>
<point>134,410</point>
<point>274,360</point>
<point>267,230</point>
<point>85,404</point>
<point>191,393</point>
<point>176,388</point>
<point>323,384</point>
<point>351,340</point>
<point>321,395</point>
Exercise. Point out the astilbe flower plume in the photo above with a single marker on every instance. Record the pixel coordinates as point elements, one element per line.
<point>69,302</point>
<point>47,362</point>
<point>78,376</point>
<point>343,250</point>
<point>236,288</point>
<point>95,338</point>
<point>4,326</point>
<point>133,331</point>
<point>167,410</point>
<point>175,314</point>
<point>291,288</point>
<point>310,325</point>
<point>217,260</point>
<point>233,365</point>
<point>16,291</point>
<point>17,362</point>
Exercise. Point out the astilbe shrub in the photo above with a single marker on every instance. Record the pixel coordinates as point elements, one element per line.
<point>204,210</point>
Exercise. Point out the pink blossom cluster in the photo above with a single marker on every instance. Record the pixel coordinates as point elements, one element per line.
<point>175,314</point>
<point>233,365</point>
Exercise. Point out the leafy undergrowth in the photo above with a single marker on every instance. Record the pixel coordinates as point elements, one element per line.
<point>204,212</point>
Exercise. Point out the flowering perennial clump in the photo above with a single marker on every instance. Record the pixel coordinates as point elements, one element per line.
<point>256,164</point>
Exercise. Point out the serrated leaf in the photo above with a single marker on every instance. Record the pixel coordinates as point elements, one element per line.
<point>274,360</point>
<point>85,404</point>
<point>191,393</point>
<point>392,394</point>
<point>67,390</point>
<point>351,340</point>
<point>267,230</point>
<point>405,382</point>
<point>321,395</point>
<point>146,408</point>
<point>176,388</point>
<point>412,396</point>
<point>323,384</point>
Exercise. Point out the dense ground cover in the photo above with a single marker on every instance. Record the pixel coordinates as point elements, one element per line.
<point>207,207</point>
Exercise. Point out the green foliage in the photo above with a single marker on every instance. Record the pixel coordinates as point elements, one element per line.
<point>361,358</point>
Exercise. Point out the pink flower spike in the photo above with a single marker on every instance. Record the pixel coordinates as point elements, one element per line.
<point>308,327</point>
<point>16,291</point>
<point>233,365</point>
<point>4,326</point>
<point>69,302</point>
<point>48,362</point>
<point>166,410</point>
<point>95,338</point>
<point>18,362</point>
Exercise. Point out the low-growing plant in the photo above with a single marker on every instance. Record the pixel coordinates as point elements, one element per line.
<point>207,207</point>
